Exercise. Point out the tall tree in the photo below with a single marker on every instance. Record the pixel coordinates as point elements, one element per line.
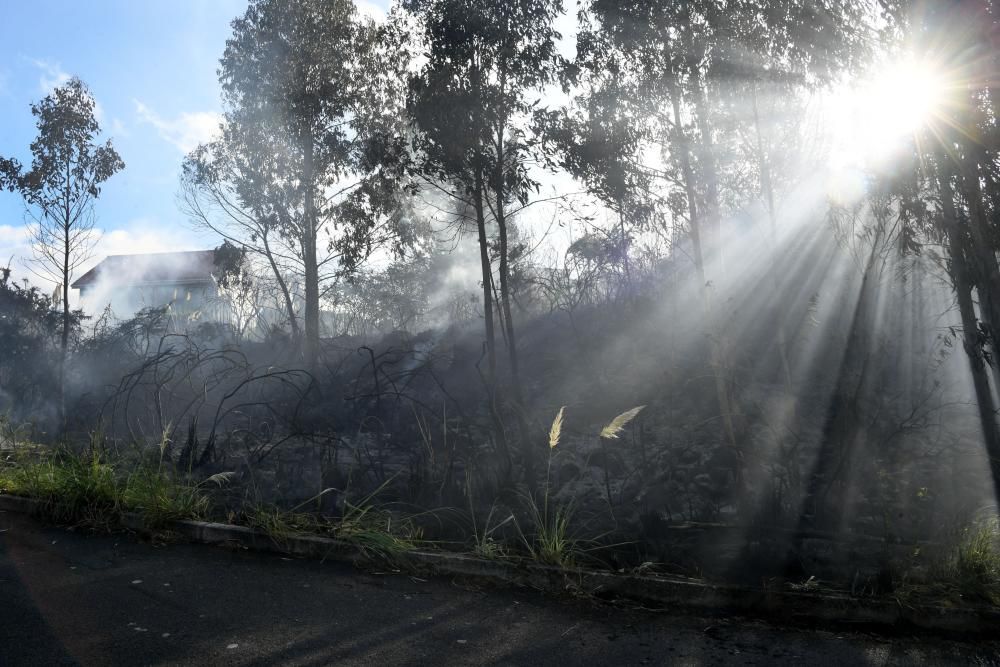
<point>67,171</point>
<point>223,191</point>
<point>486,63</point>
<point>309,100</point>
<point>677,61</point>
<point>955,185</point>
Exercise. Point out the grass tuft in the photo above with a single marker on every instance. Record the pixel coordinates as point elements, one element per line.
<point>90,489</point>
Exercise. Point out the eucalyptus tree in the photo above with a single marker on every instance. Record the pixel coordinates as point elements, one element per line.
<point>68,168</point>
<point>657,50</point>
<point>310,104</point>
<point>951,191</point>
<point>598,138</point>
<point>224,192</point>
<point>485,65</point>
<point>692,71</point>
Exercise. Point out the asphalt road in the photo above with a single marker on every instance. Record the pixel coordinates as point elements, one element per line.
<point>67,597</point>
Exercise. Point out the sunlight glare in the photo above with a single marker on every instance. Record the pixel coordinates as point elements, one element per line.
<point>872,118</point>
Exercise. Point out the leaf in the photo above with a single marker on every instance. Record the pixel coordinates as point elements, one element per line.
<point>618,423</point>
<point>556,430</point>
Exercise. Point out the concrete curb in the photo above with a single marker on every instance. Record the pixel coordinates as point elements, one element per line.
<point>668,592</point>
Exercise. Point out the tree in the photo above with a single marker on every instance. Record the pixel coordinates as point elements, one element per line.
<point>952,188</point>
<point>470,103</point>
<point>672,65</point>
<point>29,335</point>
<point>67,170</point>
<point>309,90</point>
<point>222,191</point>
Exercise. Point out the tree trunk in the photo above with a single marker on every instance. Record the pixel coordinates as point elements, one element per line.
<point>64,342</point>
<point>970,339</point>
<point>712,215</point>
<point>714,346</point>
<point>527,446</point>
<point>285,294</point>
<point>986,276</point>
<point>767,190</point>
<point>491,343</point>
<point>309,240</point>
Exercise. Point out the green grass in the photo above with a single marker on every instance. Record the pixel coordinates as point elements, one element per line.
<point>160,498</point>
<point>376,531</point>
<point>278,524</point>
<point>965,570</point>
<point>71,488</point>
<point>973,569</point>
<point>90,489</point>
<point>550,541</point>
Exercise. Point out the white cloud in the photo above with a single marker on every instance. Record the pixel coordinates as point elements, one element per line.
<point>10,235</point>
<point>52,75</point>
<point>15,246</point>
<point>185,131</point>
<point>118,128</point>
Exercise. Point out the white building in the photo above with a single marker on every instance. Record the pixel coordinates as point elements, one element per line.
<point>128,283</point>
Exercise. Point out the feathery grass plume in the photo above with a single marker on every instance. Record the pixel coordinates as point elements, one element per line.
<point>618,423</point>
<point>165,440</point>
<point>556,429</point>
<point>220,478</point>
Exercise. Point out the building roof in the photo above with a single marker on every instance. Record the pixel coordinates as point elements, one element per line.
<point>154,268</point>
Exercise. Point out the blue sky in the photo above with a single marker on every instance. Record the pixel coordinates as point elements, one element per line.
<point>151,65</point>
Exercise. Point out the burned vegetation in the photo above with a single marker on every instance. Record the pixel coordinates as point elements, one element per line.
<point>627,297</point>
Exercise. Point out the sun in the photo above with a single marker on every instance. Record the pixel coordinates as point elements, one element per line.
<point>905,97</point>
<point>872,118</point>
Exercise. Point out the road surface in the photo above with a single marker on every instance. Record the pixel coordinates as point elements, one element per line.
<point>68,597</point>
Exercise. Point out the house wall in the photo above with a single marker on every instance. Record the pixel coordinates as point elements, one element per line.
<point>191,302</point>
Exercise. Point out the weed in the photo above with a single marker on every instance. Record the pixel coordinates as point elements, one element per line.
<point>161,499</point>
<point>279,525</point>
<point>70,487</point>
<point>974,568</point>
<point>550,541</point>
<point>484,544</point>
<point>92,490</point>
<point>375,530</point>
<point>966,570</point>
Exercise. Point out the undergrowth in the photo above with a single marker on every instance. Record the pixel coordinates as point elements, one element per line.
<point>375,531</point>
<point>965,569</point>
<point>93,490</point>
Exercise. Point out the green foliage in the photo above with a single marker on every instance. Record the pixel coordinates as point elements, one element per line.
<point>280,525</point>
<point>550,540</point>
<point>958,571</point>
<point>973,567</point>
<point>67,171</point>
<point>160,498</point>
<point>313,117</point>
<point>374,529</point>
<point>72,488</point>
<point>482,61</point>
<point>93,490</point>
